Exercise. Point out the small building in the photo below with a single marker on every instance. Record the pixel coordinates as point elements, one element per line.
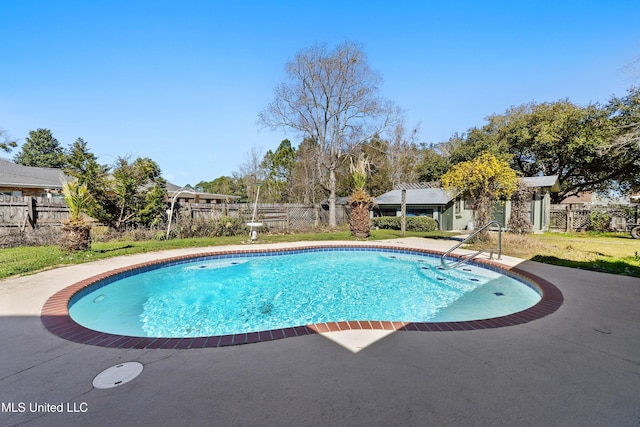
<point>432,202</point>
<point>189,195</point>
<point>29,181</point>
<point>453,212</point>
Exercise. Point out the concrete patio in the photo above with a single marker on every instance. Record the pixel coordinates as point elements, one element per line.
<point>579,366</point>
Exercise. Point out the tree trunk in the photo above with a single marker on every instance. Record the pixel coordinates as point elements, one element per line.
<point>482,215</point>
<point>332,198</point>
<point>359,219</point>
<point>76,236</point>
<point>403,212</point>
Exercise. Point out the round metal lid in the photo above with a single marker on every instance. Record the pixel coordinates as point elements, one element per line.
<point>117,375</point>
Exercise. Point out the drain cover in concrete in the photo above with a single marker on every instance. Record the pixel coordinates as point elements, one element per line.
<point>117,375</point>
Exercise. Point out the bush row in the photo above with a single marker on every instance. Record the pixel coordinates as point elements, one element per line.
<point>187,227</point>
<point>414,223</point>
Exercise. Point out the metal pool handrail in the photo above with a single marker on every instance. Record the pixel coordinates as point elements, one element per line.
<point>469,257</point>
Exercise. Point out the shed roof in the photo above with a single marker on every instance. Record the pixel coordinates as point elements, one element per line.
<point>424,196</point>
<point>550,181</point>
<point>19,176</point>
<point>438,196</point>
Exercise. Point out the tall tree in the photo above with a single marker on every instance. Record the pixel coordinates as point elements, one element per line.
<point>567,140</point>
<point>41,149</point>
<point>555,138</point>
<point>138,192</point>
<point>83,165</point>
<point>278,166</point>
<point>305,181</point>
<point>332,98</point>
<point>625,116</point>
<point>431,164</point>
<point>376,156</point>
<point>402,154</point>
<point>229,185</point>
<point>469,145</point>
<point>252,172</point>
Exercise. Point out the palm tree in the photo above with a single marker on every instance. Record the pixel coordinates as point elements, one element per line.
<point>360,201</point>
<point>76,231</point>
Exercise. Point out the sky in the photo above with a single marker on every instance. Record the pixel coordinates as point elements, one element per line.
<point>183,82</point>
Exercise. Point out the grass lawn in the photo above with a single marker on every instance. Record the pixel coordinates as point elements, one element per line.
<point>30,259</point>
<point>611,253</point>
<point>616,253</point>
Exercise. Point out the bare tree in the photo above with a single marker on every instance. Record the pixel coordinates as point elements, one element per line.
<point>630,136</point>
<point>251,171</point>
<point>305,186</point>
<point>331,98</point>
<point>403,155</point>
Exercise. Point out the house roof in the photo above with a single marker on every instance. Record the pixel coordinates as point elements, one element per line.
<point>172,189</point>
<point>19,176</point>
<point>586,197</point>
<point>424,196</point>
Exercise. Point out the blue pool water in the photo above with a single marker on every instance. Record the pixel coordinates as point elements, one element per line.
<point>248,293</point>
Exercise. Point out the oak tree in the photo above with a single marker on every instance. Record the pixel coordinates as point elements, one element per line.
<point>331,97</point>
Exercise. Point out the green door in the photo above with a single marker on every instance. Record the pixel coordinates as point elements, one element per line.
<point>447,218</point>
<point>498,212</point>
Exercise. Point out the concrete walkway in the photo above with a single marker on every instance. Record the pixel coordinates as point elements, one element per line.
<point>579,366</point>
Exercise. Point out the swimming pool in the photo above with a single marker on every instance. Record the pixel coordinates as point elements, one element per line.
<point>462,293</point>
<point>251,296</point>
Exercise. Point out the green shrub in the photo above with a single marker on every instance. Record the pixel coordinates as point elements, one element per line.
<point>187,227</point>
<point>414,223</point>
<point>421,223</point>
<point>386,222</point>
<point>229,226</point>
<point>599,221</point>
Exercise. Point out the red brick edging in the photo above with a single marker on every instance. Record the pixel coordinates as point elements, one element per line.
<point>55,312</point>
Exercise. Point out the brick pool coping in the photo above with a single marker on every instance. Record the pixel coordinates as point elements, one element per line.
<point>55,312</point>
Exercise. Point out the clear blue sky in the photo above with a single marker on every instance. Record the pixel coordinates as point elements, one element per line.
<point>182,82</point>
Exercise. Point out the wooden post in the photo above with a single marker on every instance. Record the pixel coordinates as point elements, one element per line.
<point>316,211</point>
<point>32,212</point>
<point>403,212</point>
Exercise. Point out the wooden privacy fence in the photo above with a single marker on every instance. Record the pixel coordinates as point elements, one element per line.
<point>278,216</point>
<point>25,212</point>
<point>564,218</point>
<point>32,211</point>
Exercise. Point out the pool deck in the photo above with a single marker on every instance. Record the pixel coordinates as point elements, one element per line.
<point>579,366</point>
